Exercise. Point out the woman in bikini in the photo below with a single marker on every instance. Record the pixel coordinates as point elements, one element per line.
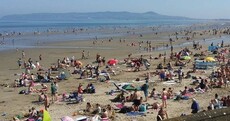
<point>164,97</point>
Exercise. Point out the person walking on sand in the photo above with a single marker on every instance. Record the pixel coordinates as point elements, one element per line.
<point>40,57</point>
<point>20,63</point>
<point>145,88</point>
<point>46,102</point>
<point>83,55</point>
<point>164,96</point>
<point>180,74</point>
<point>195,106</point>
<point>23,54</point>
<point>53,92</point>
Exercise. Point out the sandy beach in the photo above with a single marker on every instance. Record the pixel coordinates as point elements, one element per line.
<point>12,103</point>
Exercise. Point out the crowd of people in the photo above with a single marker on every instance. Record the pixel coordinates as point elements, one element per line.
<point>166,71</point>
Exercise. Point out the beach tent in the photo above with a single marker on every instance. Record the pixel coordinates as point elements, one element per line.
<point>210,59</point>
<point>66,118</point>
<point>213,48</point>
<point>46,116</point>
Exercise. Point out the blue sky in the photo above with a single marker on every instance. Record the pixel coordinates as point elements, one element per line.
<point>188,8</point>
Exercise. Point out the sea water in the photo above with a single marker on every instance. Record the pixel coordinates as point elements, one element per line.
<point>21,34</point>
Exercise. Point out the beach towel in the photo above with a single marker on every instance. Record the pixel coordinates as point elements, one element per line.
<point>142,81</point>
<point>82,118</point>
<point>170,82</point>
<point>119,106</point>
<point>185,97</point>
<point>135,114</point>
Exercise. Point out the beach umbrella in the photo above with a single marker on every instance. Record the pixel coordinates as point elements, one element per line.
<point>186,57</point>
<point>129,87</point>
<point>210,59</point>
<point>66,118</point>
<point>46,116</point>
<point>112,62</point>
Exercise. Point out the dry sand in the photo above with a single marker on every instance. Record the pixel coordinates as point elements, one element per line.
<point>12,103</point>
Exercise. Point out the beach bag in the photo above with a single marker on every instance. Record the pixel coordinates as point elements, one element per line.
<point>142,108</point>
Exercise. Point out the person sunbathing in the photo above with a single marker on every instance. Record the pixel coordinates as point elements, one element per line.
<point>41,97</point>
<point>136,100</point>
<point>228,101</point>
<point>111,112</point>
<point>89,89</point>
<point>153,94</point>
<point>185,91</point>
<point>44,88</point>
<point>31,88</point>
<point>129,98</point>
<point>33,113</point>
<point>170,93</point>
<point>80,89</point>
<point>120,97</point>
<point>162,114</point>
<point>156,105</point>
<point>179,63</point>
<point>54,68</point>
<point>89,107</point>
<point>104,114</point>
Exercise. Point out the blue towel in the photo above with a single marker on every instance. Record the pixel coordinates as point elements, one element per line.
<point>135,113</point>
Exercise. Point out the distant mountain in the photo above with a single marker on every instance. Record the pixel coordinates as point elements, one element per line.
<point>88,16</point>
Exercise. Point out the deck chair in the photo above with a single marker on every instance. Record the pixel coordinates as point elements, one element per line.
<point>120,88</point>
